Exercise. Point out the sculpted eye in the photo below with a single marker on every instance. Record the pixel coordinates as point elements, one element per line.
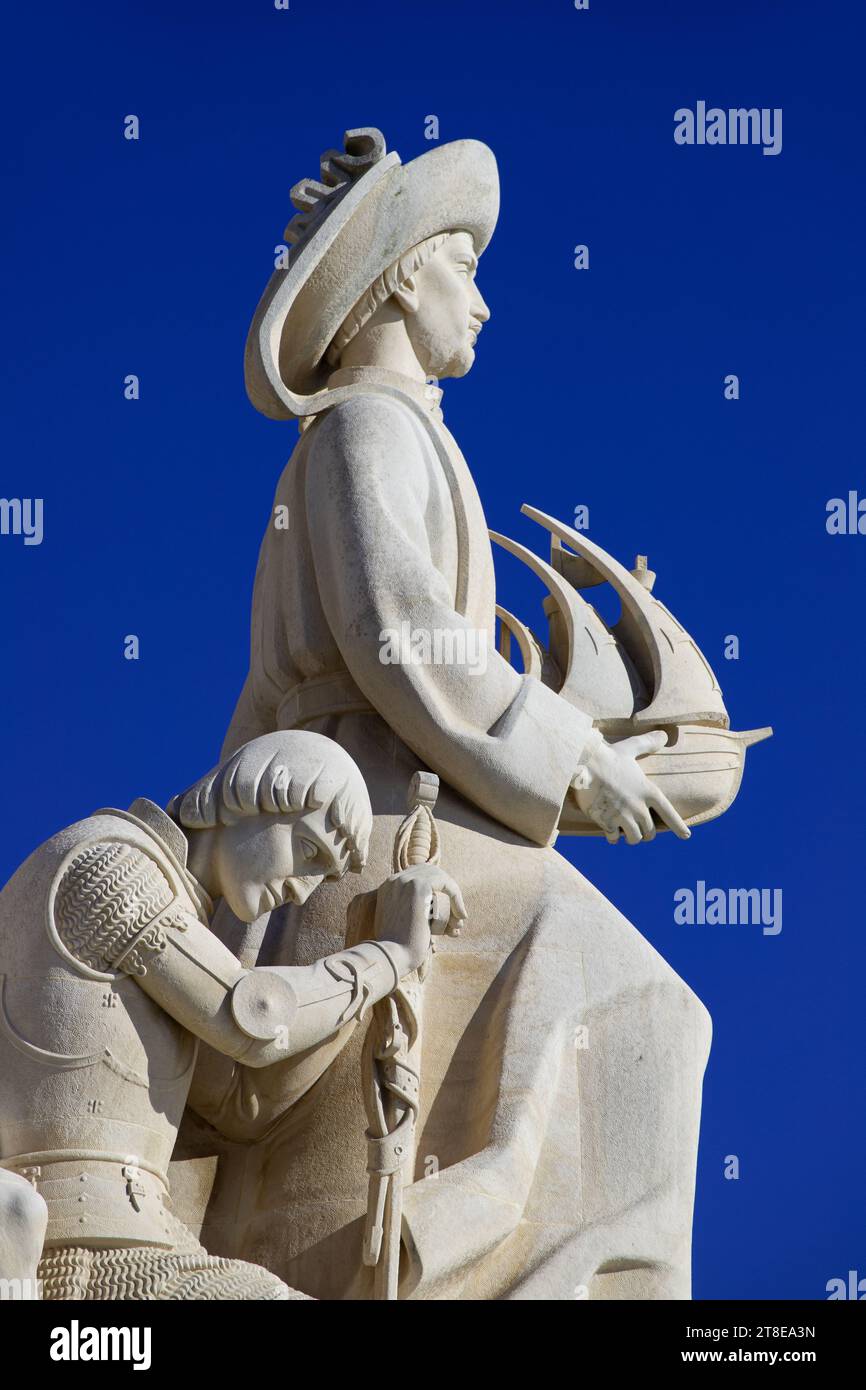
<point>309,850</point>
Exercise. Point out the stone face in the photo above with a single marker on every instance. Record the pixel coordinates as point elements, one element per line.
<point>561,1059</point>
<point>110,978</point>
<point>515,1117</point>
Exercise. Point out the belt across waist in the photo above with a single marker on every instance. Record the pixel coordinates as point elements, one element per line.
<point>96,1199</point>
<point>320,696</point>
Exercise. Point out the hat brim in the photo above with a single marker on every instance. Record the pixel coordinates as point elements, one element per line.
<point>454,187</point>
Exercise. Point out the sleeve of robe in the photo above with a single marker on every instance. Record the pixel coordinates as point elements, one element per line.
<point>508,743</point>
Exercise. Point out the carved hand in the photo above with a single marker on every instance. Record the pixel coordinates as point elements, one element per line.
<point>611,789</point>
<point>407,906</point>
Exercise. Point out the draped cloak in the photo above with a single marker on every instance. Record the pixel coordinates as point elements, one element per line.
<point>562,1057</point>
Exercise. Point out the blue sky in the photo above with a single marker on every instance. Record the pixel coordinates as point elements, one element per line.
<point>602,387</point>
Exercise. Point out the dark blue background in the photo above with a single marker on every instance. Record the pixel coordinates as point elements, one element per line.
<point>602,387</point>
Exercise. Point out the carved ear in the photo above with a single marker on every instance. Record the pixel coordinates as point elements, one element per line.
<point>406,295</point>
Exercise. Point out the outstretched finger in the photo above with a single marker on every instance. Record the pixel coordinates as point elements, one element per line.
<point>639,744</point>
<point>663,808</point>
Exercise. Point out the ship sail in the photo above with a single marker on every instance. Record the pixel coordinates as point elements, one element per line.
<point>643,672</point>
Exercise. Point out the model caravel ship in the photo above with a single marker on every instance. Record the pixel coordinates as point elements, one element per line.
<point>645,672</point>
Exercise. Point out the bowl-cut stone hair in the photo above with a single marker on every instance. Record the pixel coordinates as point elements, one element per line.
<point>284,773</point>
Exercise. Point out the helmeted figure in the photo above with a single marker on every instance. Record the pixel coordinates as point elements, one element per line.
<point>563,1058</point>
<point>110,978</point>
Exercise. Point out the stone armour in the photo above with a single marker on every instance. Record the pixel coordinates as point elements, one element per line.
<point>94,1075</point>
<point>75,1273</point>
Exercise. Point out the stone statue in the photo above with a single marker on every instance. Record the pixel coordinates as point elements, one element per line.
<point>562,1057</point>
<point>110,977</point>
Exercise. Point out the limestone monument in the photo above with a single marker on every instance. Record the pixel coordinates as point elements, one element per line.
<point>229,1069</point>
<point>554,1089</point>
<point>110,978</point>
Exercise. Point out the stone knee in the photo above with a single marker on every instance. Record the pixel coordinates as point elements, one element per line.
<point>23,1219</point>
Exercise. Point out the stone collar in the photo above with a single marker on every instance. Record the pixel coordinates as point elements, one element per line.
<point>425,393</point>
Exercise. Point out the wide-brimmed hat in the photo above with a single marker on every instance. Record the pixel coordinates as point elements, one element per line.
<point>366,210</point>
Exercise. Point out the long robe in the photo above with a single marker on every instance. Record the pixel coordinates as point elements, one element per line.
<point>562,1057</point>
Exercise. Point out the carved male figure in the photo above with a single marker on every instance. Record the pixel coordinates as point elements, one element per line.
<point>110,978</point>
<point>542,1168</point>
